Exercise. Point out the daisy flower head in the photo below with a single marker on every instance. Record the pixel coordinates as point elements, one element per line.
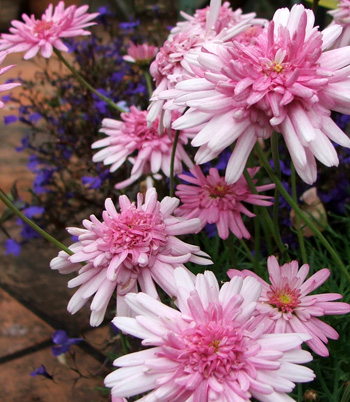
<point>136,246</point>
<point>149,150</point>
<point>341,16</point>
<point>3,70</point>
<point>286,80</point>
<point>285,305</point>
<point>34,35</point>
<point>212,200</point>
<point>208,350</point>
<point>171,64</point>
<point>140,54</point>
<point>216,17</point>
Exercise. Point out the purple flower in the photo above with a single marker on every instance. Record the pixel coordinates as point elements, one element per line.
<point>91,182</point>
<point>41,371</point>
<point>60,338</point>
<point>129,26</point>
<point>35,117</point>
<point>10,119</point>
<point>6,98</point>
<point>12,247</point>
<point>25,144</point>
<point>33,210</point>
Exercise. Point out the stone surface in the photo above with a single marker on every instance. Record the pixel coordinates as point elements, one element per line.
<point>20,328</point>
<point>17,385</point>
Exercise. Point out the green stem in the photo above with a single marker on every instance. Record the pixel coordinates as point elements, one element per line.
<point>276,162</point>
<point>124,343</point>
<point>315,6</point>
<point>246,249</point>
<point>297,218</point>
<point>301,214</point>
<point>148,82</point>
<point>86,84</point>
<point>267,219</point>
<point>257,240</point>
<point>30,223</point>
<point>172,162</point>
<point>230,246</point>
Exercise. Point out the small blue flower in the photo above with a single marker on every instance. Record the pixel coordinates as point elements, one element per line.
<point>129,26</point>
<point>41,371</point>
<point>33,210</point>
<point>60,338</point>
<point>10,119</point>
<point>91,182</point>
<point>12,247</point>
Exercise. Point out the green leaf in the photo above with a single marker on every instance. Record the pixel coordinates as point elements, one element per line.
<point>332,4</point>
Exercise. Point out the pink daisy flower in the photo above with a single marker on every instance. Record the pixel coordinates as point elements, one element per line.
<point>210,350</point>
<point>151,151</point>
<point>286,81</point>
<point>140,54</point>
<point>285,306</point>
<point>3,70</point>
<point>33,35</point>
<point>212,200</point>
<point>136,246</point>
<point>341,16</point>
<point>171,65</point>
<point>216,17</point>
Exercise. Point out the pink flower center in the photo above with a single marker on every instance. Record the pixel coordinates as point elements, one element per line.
<point>218,191</point>
<point>135,230</point>
<point>42,27</point>
<point>285,298</point>
<point>214,349</point>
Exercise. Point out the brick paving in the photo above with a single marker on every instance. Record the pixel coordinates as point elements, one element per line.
<point>33,302</point>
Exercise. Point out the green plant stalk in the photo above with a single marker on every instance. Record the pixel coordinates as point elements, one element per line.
<point>276,162</point>
<point>346,395</point>
<point>30,223</point>
<point>297,218</point>
<point>246,249</point>
<point>124,342</point>
<point>172,162</point>
<point>86,84</point>
<point>257,240</point>
<point>301,214</point>
<point>231,249</point>
<point>315,6</point>
<point>267,219</point>
<point>148,82</point>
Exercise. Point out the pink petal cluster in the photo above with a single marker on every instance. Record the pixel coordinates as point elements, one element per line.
<point>216,17</point>
<point>286,81</point>
<point>212,200</point>
<point>3,70</point>
<point>285,306</point>
<point>136,246</point>
<point>341,16</point>
<point>210,350</point>
<point>33,35</point>
<point>131,137</point>
<point>140,54</point>
<point>171,65</point>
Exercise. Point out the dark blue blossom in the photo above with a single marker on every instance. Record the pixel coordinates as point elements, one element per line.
<point>62,342</point>
<point>129,26</point>
<point>25,141</point>
<point>33,210</point>
<point>91,182</point>
<point>12,247</point>
<point>41,371</point>
<point>6,98</point>
<point>35,117</point>
<point>9,119</point>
